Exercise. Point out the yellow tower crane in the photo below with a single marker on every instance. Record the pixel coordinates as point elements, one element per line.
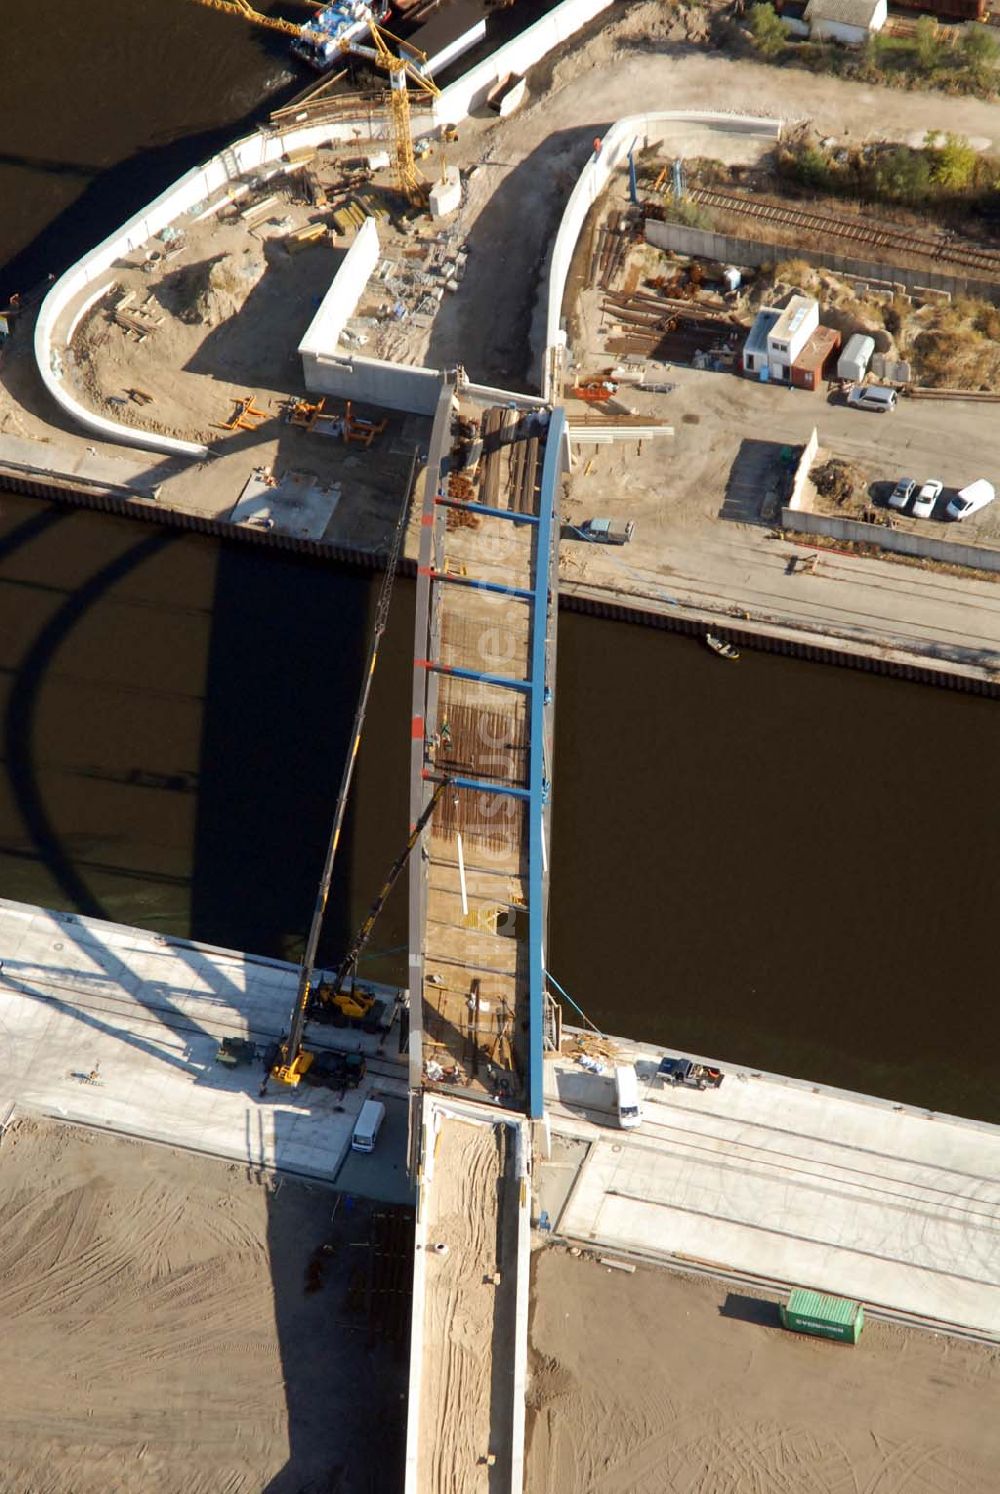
<point>401,70</point>
<point>244,9</point>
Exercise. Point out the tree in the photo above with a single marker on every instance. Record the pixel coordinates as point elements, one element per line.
<point>980,51</point>
<point>767,31</point>
<point>903,175</point>
<point>955,164</point>
<point>927,43</point>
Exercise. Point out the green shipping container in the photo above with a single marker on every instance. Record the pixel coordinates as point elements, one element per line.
<point>826,1317</point>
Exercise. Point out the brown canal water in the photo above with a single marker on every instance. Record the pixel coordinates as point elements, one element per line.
<point>777,863</point>
<point>780,864</point>
<point>104,104</point>
<point>175,717</point>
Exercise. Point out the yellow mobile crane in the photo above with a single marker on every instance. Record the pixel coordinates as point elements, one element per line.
<point>292,1060</point>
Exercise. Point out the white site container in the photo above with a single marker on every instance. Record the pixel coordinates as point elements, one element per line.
<point>853,362</point>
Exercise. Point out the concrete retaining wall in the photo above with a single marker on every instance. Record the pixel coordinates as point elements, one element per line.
<point>802,470</point>
<point>899,541</point>
<point>330,368</point>
<point>516,56</point>
<point>638,130</point>
<point>372,381</point>
<point>730,249</point>
<point>340,302</point>
<point>253,153</point>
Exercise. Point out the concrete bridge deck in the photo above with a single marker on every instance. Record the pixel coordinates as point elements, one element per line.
<point>785,1181</point>
<point>118,1028</point>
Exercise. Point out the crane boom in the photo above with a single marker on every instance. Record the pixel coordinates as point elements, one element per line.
<point>357,945</point>
<point>287,1068</point>
<point>245,9</point>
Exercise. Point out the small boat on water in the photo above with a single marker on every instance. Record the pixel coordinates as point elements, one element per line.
<point>720,647</point>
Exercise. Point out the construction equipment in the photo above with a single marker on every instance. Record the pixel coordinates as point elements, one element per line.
<point>353,1005</point>
<point>290,1062</point>
<point>358,1004</point>
<point>233,1051</point>
<point>400,70</point>
<point>347,425</point>
<point>246,418</point>
<point>245,10</point>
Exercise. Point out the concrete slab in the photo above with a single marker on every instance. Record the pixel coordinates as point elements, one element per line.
<point>89,464</point>
<point>113,1027</point>
<point>294,503</point>
<point>381,1174</point>
<point>793,1182</point>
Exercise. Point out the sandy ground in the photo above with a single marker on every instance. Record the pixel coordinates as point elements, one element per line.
<point>463,1413</point>
<point>158,1335</point>
<point>656,1383</point>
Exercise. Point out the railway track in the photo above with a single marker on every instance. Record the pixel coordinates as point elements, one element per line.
<point>940,249</point>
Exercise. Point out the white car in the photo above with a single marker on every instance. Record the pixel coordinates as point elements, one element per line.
<point>923,503</point>
<point>902,492</point>
<point>971,499</point>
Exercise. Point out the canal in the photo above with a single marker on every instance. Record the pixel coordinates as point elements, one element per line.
<point>780,864</point>
<point>777,863</point>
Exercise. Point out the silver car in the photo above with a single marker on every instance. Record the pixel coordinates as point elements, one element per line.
<point>902,493</point>
<point>923,503</point>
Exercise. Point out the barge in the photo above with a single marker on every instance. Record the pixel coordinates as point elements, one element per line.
<point>320,43</point>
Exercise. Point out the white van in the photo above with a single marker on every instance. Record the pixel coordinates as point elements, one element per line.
<point>873,397</point>
<point>367,1126</point>
<point>971,499</point>
<point>627,1096</point>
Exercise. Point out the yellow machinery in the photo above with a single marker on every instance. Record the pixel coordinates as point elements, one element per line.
<point>354,1003</point>
<point>401,70</point>
<point>293,1060</point>
<point>244,9</point>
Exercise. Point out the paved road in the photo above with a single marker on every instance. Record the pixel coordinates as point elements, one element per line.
<point>693,544</point>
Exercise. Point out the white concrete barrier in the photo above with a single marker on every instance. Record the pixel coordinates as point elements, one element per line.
<point>638,131</point>
<point>516,56</point>
<point>195,187</point>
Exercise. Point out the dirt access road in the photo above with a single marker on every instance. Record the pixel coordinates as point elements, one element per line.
<point>657,1383</point>
<point>158,1334</point>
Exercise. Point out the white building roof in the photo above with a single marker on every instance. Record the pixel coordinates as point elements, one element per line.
<point>791,319</point>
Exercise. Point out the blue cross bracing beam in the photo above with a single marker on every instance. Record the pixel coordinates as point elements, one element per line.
<point>503,680</point>
<point>539,698</point>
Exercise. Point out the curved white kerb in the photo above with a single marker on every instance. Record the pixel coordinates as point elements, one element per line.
<point>53,333</point>
<point>636,130</point>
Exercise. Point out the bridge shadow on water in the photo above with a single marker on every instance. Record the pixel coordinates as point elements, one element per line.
<point>175,717</point>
